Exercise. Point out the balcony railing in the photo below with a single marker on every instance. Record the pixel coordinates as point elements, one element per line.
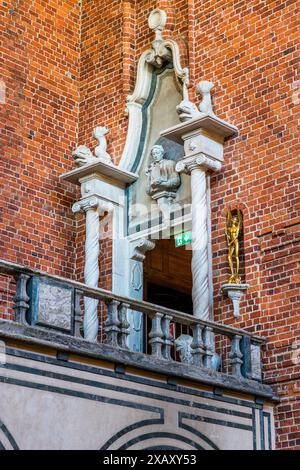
<point>209,351</point>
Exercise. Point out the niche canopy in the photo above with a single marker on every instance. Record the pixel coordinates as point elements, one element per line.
<point>163,53</point>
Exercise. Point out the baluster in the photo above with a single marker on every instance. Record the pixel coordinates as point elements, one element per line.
<point>197,345</point>
<point>124,326</point>
<point>112,323</point>
<point>236,356</point>
<point>77,313</point>
<point>209,344</point>
<point>21,298</point>
<point>156,335</point>
<point>168,338</point>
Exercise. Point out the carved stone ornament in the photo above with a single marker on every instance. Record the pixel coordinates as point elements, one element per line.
<point>162,52</point>
<point>137,277</point>
<point>202,161</point>
<point>183,346</point>
<point>188,110</point>
<point>163,179</point>
<point>90,203</point>
<point>83,155</point>
<point>99,134</point>
<point>140,249</point>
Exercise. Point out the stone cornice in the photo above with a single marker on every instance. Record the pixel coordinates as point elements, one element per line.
<point>35,336</point>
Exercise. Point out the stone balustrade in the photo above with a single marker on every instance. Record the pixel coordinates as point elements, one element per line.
<point>198,354</point>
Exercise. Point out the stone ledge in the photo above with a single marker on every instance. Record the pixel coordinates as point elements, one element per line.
<point>79,346</point>
<point>209,123</point>
<point>102,168</point>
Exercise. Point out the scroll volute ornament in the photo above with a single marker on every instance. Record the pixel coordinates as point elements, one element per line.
<point>233,231</point>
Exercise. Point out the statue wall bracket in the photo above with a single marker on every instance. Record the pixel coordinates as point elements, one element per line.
<point>235,292</point>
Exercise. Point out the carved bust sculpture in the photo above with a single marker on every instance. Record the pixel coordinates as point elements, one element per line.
<point>163,180</point>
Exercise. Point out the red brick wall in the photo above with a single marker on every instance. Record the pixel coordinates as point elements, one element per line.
<point>39,122</point>
<point>249,50</point>
<point>39,125</point>
<point>67,72</point>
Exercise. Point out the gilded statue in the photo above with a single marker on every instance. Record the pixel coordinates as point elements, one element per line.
<point>233,232</point>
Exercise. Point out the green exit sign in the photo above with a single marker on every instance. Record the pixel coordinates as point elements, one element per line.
<point>183,239</point>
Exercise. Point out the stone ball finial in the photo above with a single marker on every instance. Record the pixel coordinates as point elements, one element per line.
<point>157,22</point>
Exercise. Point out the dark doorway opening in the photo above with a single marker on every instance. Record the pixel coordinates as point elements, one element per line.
<point>168,275</point>
<point>170,298</point>
<point>168,282</point>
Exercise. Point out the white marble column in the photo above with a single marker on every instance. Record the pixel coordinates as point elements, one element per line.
<point>93,208</point>
<point>202,134</point>
<point>197,167</point>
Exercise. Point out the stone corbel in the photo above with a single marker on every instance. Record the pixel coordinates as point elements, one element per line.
<point>235,292</point>
<point>139,250</point>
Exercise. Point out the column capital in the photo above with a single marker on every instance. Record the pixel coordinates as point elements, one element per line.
<point>200,161</point>
<point>92,202</point>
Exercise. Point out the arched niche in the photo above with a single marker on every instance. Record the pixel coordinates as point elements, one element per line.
<point>161,85</point>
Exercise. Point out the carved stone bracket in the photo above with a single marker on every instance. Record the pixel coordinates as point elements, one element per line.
<point>235,292</point>
<point>141,248</point>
